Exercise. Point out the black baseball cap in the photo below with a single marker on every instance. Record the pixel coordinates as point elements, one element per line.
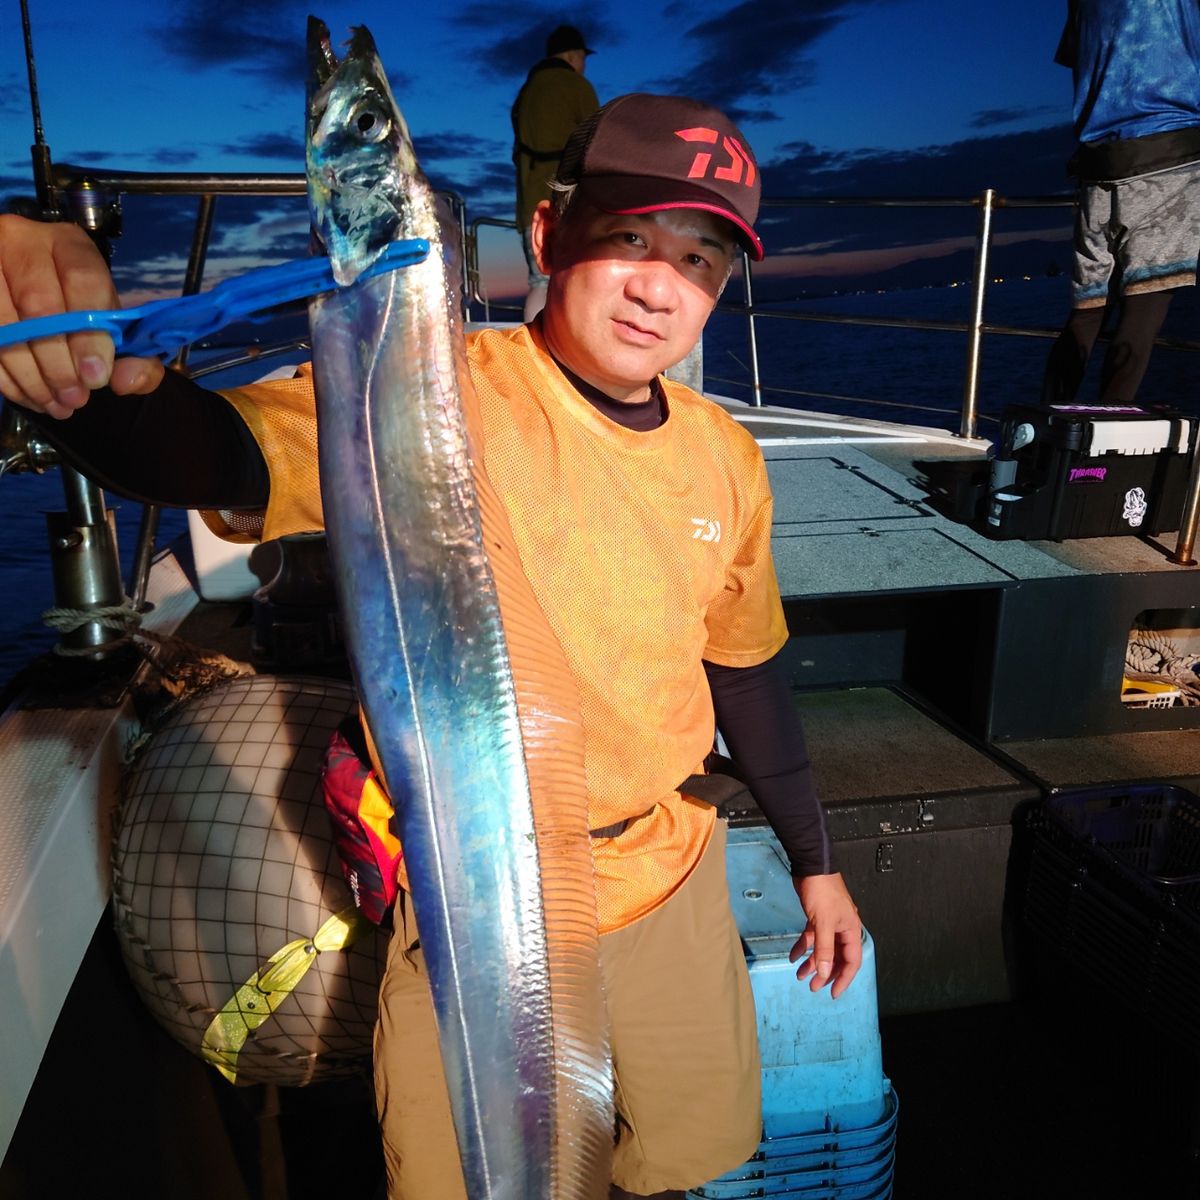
<point>566,37</point>
<point>641,153</point>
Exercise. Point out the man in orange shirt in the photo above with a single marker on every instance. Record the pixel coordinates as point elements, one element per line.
<point>642,517</point>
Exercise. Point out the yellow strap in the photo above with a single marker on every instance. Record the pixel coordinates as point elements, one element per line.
<point>268,987</point>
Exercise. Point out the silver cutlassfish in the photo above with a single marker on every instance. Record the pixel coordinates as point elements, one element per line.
<point>468,698</point>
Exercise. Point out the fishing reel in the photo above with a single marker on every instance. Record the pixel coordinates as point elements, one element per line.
<point>22,449</point>
<point>95,209</point>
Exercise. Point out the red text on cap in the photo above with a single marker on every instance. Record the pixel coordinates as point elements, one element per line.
<point>739,161</point>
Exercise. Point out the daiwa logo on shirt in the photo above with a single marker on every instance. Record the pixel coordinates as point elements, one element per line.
<point>739,164</point>
<point>1087,473</point>
<point>705,530</point>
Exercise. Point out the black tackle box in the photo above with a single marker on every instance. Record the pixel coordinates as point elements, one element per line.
<point>1079,471</point>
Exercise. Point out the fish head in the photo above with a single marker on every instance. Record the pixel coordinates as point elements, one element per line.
<point>364,182</point>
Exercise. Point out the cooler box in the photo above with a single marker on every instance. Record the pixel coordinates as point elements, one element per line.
<point>1078,471</point>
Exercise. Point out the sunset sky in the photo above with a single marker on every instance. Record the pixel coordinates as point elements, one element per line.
<point>836,96</point>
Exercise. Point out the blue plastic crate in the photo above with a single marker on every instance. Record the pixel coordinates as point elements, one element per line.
<point>803,1186</point>
<point>821,1058</point>
<point>851,1166</point>
<point>879,1133</point>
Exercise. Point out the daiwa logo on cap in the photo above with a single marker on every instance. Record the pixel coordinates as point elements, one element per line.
<point>740,163</point>
<point>632,156</point>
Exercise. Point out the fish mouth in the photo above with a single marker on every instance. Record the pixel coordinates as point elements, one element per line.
<point>323,62</point>
<point>352,131</point>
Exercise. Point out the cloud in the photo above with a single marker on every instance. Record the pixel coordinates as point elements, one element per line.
<point>517,36</point>
<point>1031,162</point>
<point>173,156</point>
<point>263,37</point>
<point>756,50</point>
<point>214,33</point>
<point>451,146</point>
<point>278,147</point>
<point>848,241</point>
<point>803,263</point>
<point>985,118</point>
<point>14,98</point>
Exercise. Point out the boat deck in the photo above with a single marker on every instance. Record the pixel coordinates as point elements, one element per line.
<point>855,511</point>
<point>944,678</point>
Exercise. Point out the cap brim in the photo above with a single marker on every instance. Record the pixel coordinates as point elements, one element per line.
<point>635,194</point>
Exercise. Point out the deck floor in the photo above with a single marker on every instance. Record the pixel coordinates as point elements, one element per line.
<point>996,1103</point>
<point>1053,1098</point>
<point>855,511</point>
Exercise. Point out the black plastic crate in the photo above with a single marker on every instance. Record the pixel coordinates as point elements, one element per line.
<point>1152,829</point>
<point>1111,890</point>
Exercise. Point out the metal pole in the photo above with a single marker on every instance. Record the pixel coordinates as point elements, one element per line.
<point>144,555</point>
<point>968,423</point>
<point>197,257</point>
<point>1186,542</point>
<point>87,572</point>
<point>748,302</point>
<point>139,580</point>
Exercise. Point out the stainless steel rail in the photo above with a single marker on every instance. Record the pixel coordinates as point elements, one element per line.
<point>974,327</point>
<point>475,291</point>
<point>208,186</point>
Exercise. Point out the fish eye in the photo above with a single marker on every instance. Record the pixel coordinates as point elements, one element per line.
<point>372,123</point>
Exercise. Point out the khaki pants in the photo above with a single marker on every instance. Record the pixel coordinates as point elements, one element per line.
<point>685,1050</point>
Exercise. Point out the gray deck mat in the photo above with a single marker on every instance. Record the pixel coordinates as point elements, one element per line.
<point>872,744</point>
<point>1171,755</point>
<point>847,523</point>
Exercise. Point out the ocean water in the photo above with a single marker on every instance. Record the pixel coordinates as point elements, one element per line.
<point>858,371</point>
<point>916,376</point>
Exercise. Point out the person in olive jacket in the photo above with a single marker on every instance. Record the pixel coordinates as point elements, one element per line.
<point>554,98</point>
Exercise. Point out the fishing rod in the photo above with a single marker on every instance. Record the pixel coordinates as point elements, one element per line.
<point>94,207</point>
<point>43,170</point>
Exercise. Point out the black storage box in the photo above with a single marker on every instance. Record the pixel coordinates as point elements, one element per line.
<point>921,823</point>
<point>1074,471</point>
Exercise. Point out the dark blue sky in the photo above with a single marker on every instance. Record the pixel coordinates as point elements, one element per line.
<point>837,96</point>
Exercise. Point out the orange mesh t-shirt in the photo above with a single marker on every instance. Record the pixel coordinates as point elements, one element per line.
<point>648,551</point>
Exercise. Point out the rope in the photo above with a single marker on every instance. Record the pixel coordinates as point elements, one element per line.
<point>182,667</point>
<point>121,617</point>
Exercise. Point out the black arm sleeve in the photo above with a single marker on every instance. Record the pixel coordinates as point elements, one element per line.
<point>757,718</point>
<point>181,446</point>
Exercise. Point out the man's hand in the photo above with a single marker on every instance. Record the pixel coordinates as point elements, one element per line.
<point>48,268</point>
<point>832,939</point>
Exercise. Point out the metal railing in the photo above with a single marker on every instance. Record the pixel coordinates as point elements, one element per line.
<point>974,326</point>
<point>475,291</point>
<point>207,187</point>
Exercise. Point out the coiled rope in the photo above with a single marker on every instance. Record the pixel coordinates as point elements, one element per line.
<point>123,618</point>
<point>181,667</point>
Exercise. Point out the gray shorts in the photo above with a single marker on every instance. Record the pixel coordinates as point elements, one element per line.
<point>1138,235</point>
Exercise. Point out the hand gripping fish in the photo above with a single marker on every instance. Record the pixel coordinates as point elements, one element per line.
<point>466,693</point>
